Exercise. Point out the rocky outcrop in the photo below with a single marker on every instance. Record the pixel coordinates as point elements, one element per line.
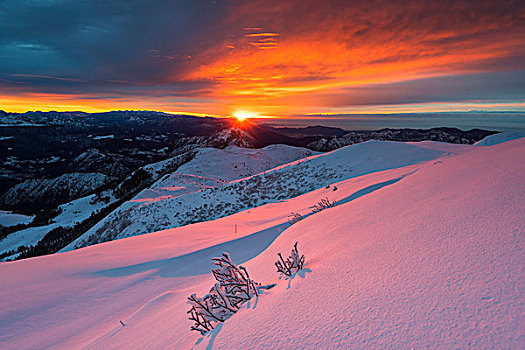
<point>222,139</point>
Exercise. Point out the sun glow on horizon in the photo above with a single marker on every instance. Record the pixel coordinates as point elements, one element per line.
<point>242,116</point>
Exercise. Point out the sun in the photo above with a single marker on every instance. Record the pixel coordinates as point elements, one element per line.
<point>242,116</point>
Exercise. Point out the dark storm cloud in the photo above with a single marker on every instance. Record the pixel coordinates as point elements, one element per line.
<point>138,41</point>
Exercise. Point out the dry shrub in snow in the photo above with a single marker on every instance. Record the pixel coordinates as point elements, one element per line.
<point>294,217</point>
<point>232,289</point>
<point>292,264</point>
<point>323,204</point>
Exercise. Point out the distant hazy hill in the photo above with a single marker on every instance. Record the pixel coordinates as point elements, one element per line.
<point>449,135</point>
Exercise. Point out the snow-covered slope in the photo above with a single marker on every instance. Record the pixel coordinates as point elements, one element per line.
<point>187,189</point>
<point>69,215</point>
<point>8,218</point>
<point>285,181</point>
<point>65,187</point>
<point>81,212</point>
<point>213,167</point>
<point>434,261</point>
<point>424,256</point>
<point>234,163</point>
<point>501,137</point>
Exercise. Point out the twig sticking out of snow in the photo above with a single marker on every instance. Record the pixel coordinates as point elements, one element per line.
<point>323,204</point>
<point>233,288</point>
<point>292,264</point>
<point>234,279</point>
<point>202,312</point>
<point>294,217</point>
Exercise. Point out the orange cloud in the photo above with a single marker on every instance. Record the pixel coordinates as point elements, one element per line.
<point>262,34</point>
<point>358,45</point>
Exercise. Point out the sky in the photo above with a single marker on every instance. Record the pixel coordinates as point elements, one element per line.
<point>262,57</point>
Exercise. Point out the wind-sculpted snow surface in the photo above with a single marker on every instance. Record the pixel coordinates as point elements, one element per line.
<point>501,137</point>
<point>287,181</point>
<point>424,256</point>
<point>435,261</point>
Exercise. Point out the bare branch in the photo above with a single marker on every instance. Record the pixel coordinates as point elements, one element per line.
<point>233,288</point>
<point>292,264</point>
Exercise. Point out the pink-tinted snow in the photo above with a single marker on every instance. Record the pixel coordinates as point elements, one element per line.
<point>428,255</point>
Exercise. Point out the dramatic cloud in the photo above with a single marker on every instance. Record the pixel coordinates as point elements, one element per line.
<point>275,57</point>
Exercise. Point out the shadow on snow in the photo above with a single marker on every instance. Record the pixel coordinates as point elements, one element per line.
<point>241,249</point>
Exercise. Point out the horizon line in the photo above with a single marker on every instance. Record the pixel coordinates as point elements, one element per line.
<point>290,116</point>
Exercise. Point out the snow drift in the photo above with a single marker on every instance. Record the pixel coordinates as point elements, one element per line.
<point>501,137</point>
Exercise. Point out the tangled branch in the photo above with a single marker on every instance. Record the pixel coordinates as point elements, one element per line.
<point>292,264</point>
<point>232,289</point>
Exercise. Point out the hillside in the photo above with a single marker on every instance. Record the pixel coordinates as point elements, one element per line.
<point>212,172</point>
<point>53,160</point>
<point>31,194</point>
<point>200,198</point>
<point>429,255</point>
<point>442,134</point>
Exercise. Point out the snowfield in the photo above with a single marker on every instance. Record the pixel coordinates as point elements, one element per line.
<point>71,213</point>
<point>8,218</point>
<point>501,137</point>
<point>425,252</point>
<point>213,167</point>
